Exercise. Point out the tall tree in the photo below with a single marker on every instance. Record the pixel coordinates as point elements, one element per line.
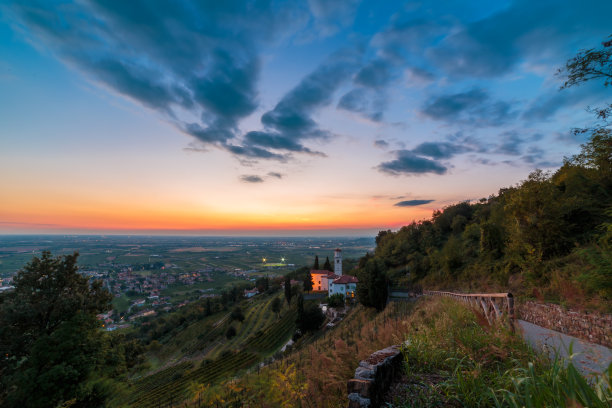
<point>316,264</point>
<point>49,334</point>
<point>327,265</point>
<point>276,305</point>
<point>300,311</point>
<point>308,283</point>
<point>373,285</point>
<point>288,292</point>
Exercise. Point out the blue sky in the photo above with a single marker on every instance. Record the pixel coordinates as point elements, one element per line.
<point>240,109</point>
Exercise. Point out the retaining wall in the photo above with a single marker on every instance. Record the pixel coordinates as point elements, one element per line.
<point>590,326</point>
<point>373,378</point>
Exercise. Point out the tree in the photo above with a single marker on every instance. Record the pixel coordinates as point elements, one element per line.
<point>589,64</point>
<point>237,314</point>
<point>336,300</point>
<point>288,292</point>
<point>276,306</point>
<point>308,283</point>
<point>208,310</point>
<point>312,318</point>
<point>327,266</point>
<point>316,264</point>
<point>372,286</point>
<point>300,311</point>
<point>49,334</point>
<point>231,332</point>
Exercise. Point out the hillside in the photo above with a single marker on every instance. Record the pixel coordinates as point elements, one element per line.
<point>549,237</point>
<point>202,353</point>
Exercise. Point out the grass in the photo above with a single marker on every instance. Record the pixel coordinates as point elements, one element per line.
<point>454,358</point>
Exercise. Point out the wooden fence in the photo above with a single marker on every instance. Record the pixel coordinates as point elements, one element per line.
<point>495,306</point>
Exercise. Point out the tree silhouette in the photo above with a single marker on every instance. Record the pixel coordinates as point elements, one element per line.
<point>327,265</point>
<point>288,292</point>
<point>49,335</point>
<point>308,283</point>
<point>316,264</point>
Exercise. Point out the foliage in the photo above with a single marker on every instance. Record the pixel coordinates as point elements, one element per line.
<point>288,292</point>
<point>49,334</point>
<point>336,300</point>
<point>276,305</point>
<point>372,285</point>
<point>237,314</point>
<point>311,319</point>
<point>316,263</point>
<point>327,265</point>
<point>454,358</point>
<point>588,65</point>
<point>231,332</point>
<point>308,282</point>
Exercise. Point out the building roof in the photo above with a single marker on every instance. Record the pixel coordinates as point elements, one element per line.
<point>346,279</point>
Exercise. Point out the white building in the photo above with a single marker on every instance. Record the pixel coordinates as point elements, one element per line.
<point>345,285</point>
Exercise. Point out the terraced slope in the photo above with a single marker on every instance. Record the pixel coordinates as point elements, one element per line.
<point>260,335</point>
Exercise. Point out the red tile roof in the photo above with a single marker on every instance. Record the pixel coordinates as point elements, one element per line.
<point>346,279</point>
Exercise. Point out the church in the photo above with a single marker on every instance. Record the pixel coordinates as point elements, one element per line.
<point>334,283</point>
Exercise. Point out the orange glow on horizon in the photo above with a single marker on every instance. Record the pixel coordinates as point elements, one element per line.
<point>133,219</point>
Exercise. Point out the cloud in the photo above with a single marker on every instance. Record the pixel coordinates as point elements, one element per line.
<point>473,107</point>
<point>382,144</point>
<point>275,175</point>
<point>290,123</point>
<point>545,31</point>
<point>439,150</point>
<point>251,178</point>
<point>196,63</point>
<point>548,103</point>
<point>513,141</point>
<point>412,203</point>
<point>331,16</point>
<point>365,102</point>
<point>376,74</point>
<point>409,163</point>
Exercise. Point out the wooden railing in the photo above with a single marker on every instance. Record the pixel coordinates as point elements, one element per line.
<point>495,306</point>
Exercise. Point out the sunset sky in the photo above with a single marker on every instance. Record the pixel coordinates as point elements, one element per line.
<point>290,117</point>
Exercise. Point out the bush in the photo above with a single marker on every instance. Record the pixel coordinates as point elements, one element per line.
<point>231,332</point>
<point>312,318</point>
<point>336,300</point>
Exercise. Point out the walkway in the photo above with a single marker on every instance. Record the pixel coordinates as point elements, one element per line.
<point>589,358</point>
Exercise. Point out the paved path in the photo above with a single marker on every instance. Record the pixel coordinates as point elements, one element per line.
<point>589,358</point>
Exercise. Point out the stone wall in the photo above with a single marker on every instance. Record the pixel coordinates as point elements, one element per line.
<point>590,326</point>
<point>373,378</point>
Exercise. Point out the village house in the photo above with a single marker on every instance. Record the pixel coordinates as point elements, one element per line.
<point>250,293</point>
<point>344,285</point>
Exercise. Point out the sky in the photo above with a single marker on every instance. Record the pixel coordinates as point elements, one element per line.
<point>280,117</point>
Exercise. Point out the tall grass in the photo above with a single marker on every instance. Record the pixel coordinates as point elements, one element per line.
<point>454,358</point>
